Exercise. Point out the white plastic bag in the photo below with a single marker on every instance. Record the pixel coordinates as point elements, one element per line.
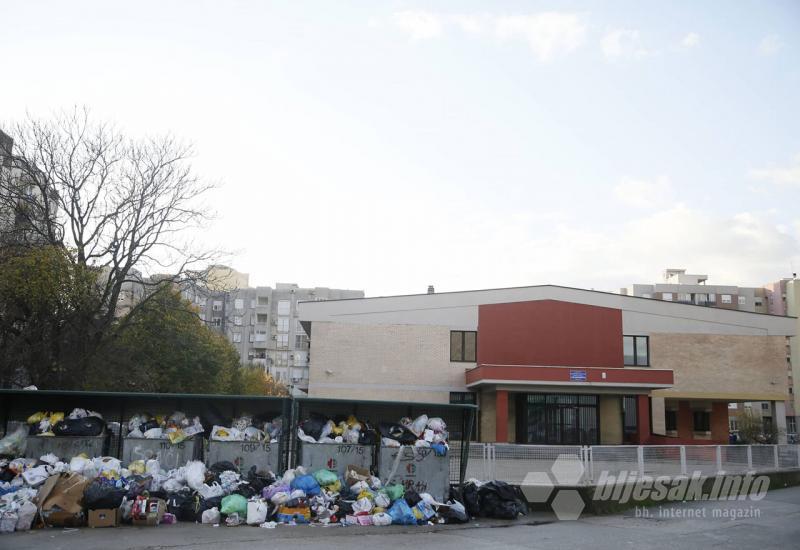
<point>256,512</point>
<point>279,498</point>
<point>303,437</point>
<point>386,442</point>
<point>154,433</point>
<point>362,505</point>
<point>35,476</point>
<point>195,474</point>
<point>421,443</point>
<point>418,426</point>
<point>152,466</point>
<point>26,514</point>
<point>210,516</point>
<point>15,442</point>
<point>210,491</point>
<point>172,485</point>
<point>382,501</point>
<point>437,424</point>
<point>381,518</point>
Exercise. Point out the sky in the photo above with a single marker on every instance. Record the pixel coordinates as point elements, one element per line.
<point>387,146</point>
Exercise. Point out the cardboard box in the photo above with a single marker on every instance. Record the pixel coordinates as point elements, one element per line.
<point>156,508</point>
<point>105,518</point>
<point>60,500</point>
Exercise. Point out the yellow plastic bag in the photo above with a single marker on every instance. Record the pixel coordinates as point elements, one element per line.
<point>56,417</point>
<point>177,436</point>
<point>36,417</point>
<point>137,467</point>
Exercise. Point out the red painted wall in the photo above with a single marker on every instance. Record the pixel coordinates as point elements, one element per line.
<point>549,332</point>
<point>719,427</point>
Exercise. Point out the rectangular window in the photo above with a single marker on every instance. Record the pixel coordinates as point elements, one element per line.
<point>262,318</point>
<point>238,303</point>
<point>261,336</point>
<point>463,398</point>
<point>283,340</point>
<point>666,296</point>
<point>764,406</point>
<point>791,424</point>
<point>712,298</point>
<point>237,337</point>
<point>201,301</point>
<point>683,297</point>
<point>284,307</point>
<point>557,419</point>
<point>263,300</point>
<point>217,305</point>
<point>463,346</point>
<point>742,300</point>
<point>758,302</point>
<point>301,341</point>
<point>701,421</point>
<point>726,298</point>
<point>636,350</point>
<point>253,303</point>
<point>671,421</point>
<point>283,324</point>
<point>237,320</point>
<point>216,321</point>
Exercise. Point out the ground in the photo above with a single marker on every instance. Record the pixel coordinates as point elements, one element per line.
<point>777,526</point>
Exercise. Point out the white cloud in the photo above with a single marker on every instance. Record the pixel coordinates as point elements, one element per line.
<point>548,34</point>
<point>622,43</point>
<point>769,45</point>
<point>789,175</point>
<point>420,25</point>
<point>473,24</point>
<point>643,193</point>
<point>690,40</point>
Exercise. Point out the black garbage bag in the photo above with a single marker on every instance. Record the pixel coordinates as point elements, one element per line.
<point>102,496</point>
<point>223,466</point>
<point>185,505</point>
<point>398,432</point>
<point>208,504</point>
<point>149,425</point>
<point>138,485</point>
<point>313,426</point>
<point>367,435</point>
<point>500,500</point>
<point>345,507</point>
<point>412,497</point>
<point>89,426</point>
<point>258,481</point>
<point>471,499</point>
<point>454,512</point>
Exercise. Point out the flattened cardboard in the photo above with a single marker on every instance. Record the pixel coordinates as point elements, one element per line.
<point>105,518</point>
<point>60,500</point>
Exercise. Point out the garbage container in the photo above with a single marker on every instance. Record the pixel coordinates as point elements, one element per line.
<point>265,456</point>
<point>168,455</point>
<point>335,456</point>
<point>416,468</point>
<point>65,447</point>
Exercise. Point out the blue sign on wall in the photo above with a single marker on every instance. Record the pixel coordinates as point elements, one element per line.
<point>577,375</point>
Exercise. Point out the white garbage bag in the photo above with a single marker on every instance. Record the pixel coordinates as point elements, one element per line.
<point>195,474</point>
<point>256,512</point>
<point>210,516</point>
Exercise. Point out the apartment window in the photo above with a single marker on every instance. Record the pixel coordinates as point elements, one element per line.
<point>283,340</point>
<point>791,424</point>
<point>298,329</point>
<point>263,300</point>
<point>463,398</point>
<point>733,405</point>
<point>701,421</point>
<point>701,299</point>
<point>283,324</point>
<point>733,424</point>
<point>726,299</point>
<point>201,301</point>
<point>284,307</point>
<point>262,318</point>
<point>237,337</point>
<point>238,303</point>
<point>666,296</point>
<point>237,320</point>
<point>253,303</point>
<point>671,420</point>
<point>216,321</point>
<point>282,358</point>
<point>764,406</point>
<point>636,350</point>
<point>742,300</point>
<point>300,341</point>
<point>758,302</point>
<point>463,346</point>
<point>217,305</point>
<point>683,297</point>
<point>261,336</point>
<point>712,297</point>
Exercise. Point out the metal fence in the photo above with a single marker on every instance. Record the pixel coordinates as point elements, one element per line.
<point>512,463</point>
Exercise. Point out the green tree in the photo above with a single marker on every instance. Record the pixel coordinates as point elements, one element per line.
<point>753,429</point>
<point>253,380</point>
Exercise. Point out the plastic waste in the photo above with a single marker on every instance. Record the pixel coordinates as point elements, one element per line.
<point>234,504</point>
<point>14,443</point>
<point>195,474</point>
<point>381,518</point>
<point>256,512</point>
<point>401,513</point>
<point>210,516</point>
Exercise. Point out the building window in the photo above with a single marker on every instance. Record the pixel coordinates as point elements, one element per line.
<point>666,296</point>
<point>758,302</point>
<point>261,336</point>
<point>463,346</point>
<point>262,318</point>
<point>685,298</point>
<point>726,299</point>
<point>765,406</point>
<point>284,307</point>
<point>217,305</point>
<point>671,420</point>
<point>791,424</point>
<point>237,320</point>
<point>712,298</point>
<point>636,350</point>
<point>238,303</point>
<point>733,424</point>
<point>283,324</point>
<point>557,419</point>
<point>263,300</point>
<point>283,340</point>
<point>301,341</point>
<point>701,421</point>
<point>237,337</point>
<point>216,321</point>
<point>463,398</point>
<point>742,300</point>
<point>253,303</point>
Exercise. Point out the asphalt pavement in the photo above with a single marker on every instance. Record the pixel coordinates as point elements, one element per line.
<point>773,522</point>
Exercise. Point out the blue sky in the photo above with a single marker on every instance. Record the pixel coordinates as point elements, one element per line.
<point>392,145</point>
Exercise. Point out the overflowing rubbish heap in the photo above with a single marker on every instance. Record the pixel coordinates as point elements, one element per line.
<point>104,492</point>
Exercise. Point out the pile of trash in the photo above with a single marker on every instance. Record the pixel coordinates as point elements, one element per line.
<point>248,428</point>
<point>80,422</point>
<point>176,428</point>
<point>420,432</point>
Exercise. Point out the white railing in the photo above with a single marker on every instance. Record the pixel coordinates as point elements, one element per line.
<point>512,463</point>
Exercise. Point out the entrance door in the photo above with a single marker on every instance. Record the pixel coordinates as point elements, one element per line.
<point>557,419</point>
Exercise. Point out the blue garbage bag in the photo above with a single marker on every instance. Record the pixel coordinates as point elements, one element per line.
<point>401,513</point>
<point>306,484</point>
<point>439,449</point>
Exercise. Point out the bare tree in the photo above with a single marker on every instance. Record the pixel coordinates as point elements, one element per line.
<point>121,206</point>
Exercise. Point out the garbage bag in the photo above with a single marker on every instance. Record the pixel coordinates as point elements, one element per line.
<point>382,500</point>
<point>326,477</point>
<point>257,512</point>
<point>210,516</point>
<point>394,491</point>
<point>437,425</point>
<point>439,449</point>
<point>102,495</point>
<point>306,483</point>
<point>362,505</point>
<point>26,513</point>
<point>381,518</point>
<point>210,491</point>
<point>455,513</point>
<point>149,425</point>
<point>500,500</point>
<point>313,426</point>
<point>86,427</point>
<point>398,432</point>
<point>234,504</point>
<point>412,497</point>
<point>195,474</point>
<point>207,504</point>
<point>222,466</point>
<point>401,513</point>
<point>184,505</point>
<point>14,443</point>
<point>419,424</point>
<point>472,500</point>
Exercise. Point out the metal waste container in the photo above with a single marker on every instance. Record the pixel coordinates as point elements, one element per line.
<point>65,447</point>
<point>169,456</point>
<point>265,456</point>
<point>335,456</point>
<point>416,468</point>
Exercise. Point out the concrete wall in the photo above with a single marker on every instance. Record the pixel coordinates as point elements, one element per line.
<point>610,420</point>
<point>724,367</point>
<point>393,362</point>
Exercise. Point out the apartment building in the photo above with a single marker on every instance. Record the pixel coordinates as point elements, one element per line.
<point>261,322</point>
<point>777,298</point>
<point>555,365</point>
